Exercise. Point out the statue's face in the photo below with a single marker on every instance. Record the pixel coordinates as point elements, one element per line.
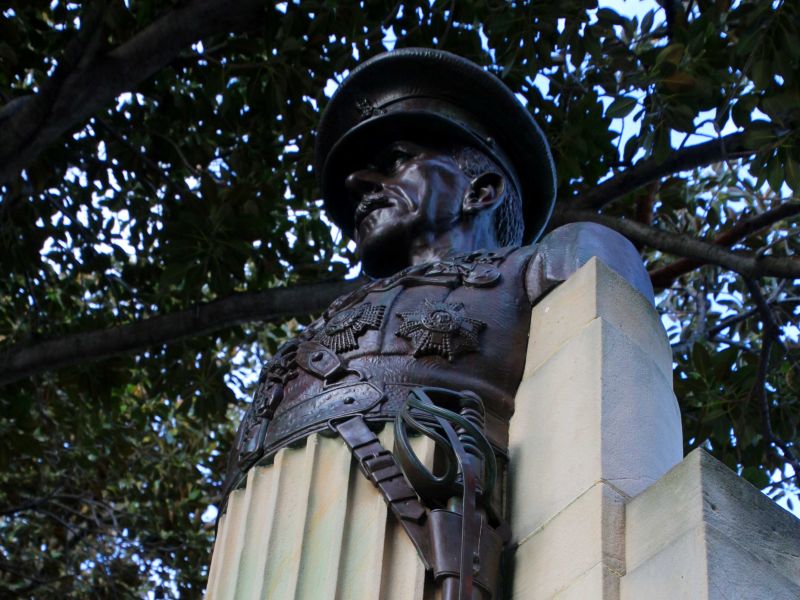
<point>406,192</point>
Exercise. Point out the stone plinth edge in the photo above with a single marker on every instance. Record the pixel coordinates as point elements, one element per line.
<point>701,532</point>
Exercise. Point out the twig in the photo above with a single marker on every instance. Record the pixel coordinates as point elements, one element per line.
<point>25,359</point>
<point>89,87</point>
<point>734,319</point>
<point>448,24</point>
<point>698,332</point>
<point>718,339</point>
<point>649,170</point>
<point>771,328</point>
<point>784,479</point>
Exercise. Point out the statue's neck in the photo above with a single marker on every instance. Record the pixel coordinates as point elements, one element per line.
<point>432,246</point>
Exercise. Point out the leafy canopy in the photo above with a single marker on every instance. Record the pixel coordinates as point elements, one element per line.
<point>159,217</point>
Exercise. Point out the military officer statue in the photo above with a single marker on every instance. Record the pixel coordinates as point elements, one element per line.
<point>446,183</point>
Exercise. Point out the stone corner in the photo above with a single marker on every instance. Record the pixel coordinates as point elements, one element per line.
<point>702,531</point>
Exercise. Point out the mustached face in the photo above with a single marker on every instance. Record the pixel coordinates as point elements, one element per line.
<point>406,190</point>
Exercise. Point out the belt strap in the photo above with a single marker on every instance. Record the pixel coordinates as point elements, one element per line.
<point>433,533</point>
<point>380,467</point>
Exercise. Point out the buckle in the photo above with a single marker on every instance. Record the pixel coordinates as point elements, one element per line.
<point>332,424</point>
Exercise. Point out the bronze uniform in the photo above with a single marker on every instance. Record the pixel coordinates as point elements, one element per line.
<point>460,323</point>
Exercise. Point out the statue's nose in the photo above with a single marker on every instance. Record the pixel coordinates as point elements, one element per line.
<point>362,183</point>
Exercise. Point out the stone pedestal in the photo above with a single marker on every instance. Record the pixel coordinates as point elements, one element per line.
<point>602,507</point>
<point>599,509</point>
<point>596,423</point>
<point>702,533</point>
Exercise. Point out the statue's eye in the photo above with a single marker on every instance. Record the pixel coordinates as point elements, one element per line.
<point>396,159</point>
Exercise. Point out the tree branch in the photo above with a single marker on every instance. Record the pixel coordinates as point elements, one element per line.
<point>646,171</point>
<point>771,327</point>
<point>734,319</point>
<point>746,264</point>
<point>92,86</point>
<point>23,360</point>
<point>663,277</point>
<point>713,333</point>
<point>645,205</point>
<point>29,114</point>
<point>758,393</point>
<point>697,331</point>
<point>732,343</point>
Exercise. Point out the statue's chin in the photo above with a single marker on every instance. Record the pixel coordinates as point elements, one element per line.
<point>385,255</point>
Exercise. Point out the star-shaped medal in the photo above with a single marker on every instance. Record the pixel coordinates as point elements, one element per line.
<point>441,328</point>
<point>342,330</point>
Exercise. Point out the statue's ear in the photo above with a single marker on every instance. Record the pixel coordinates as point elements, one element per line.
<point>484,192</point>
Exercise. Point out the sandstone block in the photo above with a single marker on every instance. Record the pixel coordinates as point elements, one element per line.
<point>702,532</point>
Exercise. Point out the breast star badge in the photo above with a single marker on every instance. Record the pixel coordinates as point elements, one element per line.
<point>440,328</point>
<point>340,333</point>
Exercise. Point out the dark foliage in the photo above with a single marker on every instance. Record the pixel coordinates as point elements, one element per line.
<point>194,186</point>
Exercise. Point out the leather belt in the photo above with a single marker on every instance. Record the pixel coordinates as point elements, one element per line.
<point>313,413</point>
<point>436,534</point>
<point>295,421</point>
<point>380,467</point>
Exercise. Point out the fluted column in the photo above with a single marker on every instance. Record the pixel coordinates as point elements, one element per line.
<point>311,526</point>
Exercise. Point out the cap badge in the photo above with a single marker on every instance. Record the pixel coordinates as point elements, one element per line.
<point>367,108</point>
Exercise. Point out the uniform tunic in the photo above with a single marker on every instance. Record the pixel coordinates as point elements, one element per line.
<point>459,323</point>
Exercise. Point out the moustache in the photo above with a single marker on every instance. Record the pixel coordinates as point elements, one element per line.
<point>368,204</point>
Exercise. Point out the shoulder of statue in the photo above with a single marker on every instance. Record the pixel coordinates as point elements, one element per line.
<point>567,248</point>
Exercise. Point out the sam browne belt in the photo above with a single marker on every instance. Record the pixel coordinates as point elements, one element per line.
<point>448,517</point>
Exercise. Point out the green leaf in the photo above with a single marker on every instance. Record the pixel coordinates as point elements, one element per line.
<point>608,16</point>
<point>782,105</point>
<point>762,73</point>
<point>620,107</point>
<point>757,476</point>
<point>671,54</point>
<point>741,112</point>
<point>647,21</point>
<point>775,174</point>
<point>631,148</point>
<point>701,359</point>
<point>662,146</point>
<point>791,169</point>
<point>758,135</point>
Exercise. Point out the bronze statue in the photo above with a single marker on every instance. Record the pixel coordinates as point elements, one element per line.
<point>445,182</point>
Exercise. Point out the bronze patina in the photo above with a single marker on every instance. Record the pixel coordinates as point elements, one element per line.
<point>445,182</point>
